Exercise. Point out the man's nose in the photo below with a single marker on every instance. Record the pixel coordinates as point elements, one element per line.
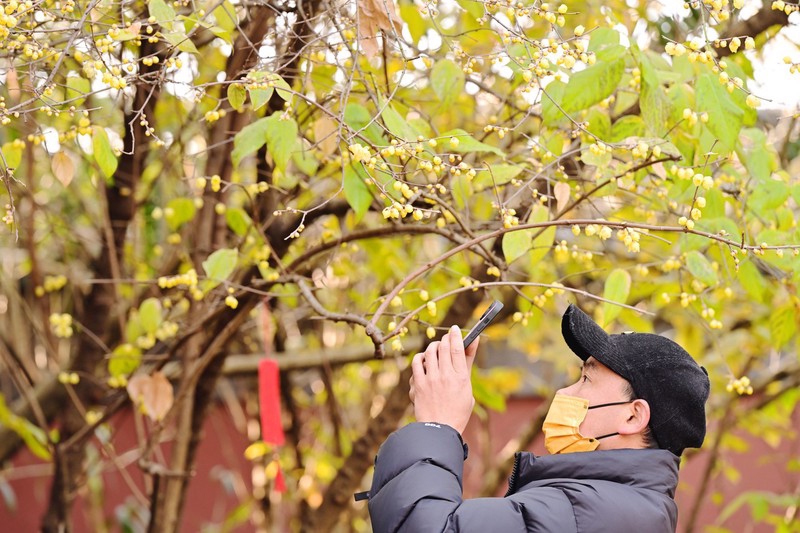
<point>566,390</point>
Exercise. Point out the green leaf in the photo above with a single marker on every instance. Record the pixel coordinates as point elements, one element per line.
<point>281,139</point>
<point>467,143</point>
<point>518,243</point>
<point>124,360</point>
<point>270,82</point>
<point>103,153</point>
<point>179,40</point>
<point>179,212</point>
<point>163,13</point>
<point>552,97</point>
<point>225,16</point>
<point>279,135</point>
<point>470,6</point>
<point>757,154</point>
<point>34,437</point>
<point>281,86</point>
<point>768,195</point>
<point>461,189</point>
<point>599,123</point>
<point>12,154</point>
<point>416,24</point>
<point>655,105</point>
<point>724,116</point>
<point>77,89</point>
<point>133,327</point>
<point>249,139</point>
<point>543,238</point>
<point>356,192</point>
<point>397,125</point>
<point>447,80</point>
<point>237,95</point>
<point>150,315</point>
<point>715,204</point>
<point>653,99</point>
<point>595,160</point>
<point>592,85</point>
<point>259,97</point>
<point>783,325</point>
<point>359,119</point>
<point>221,263</point>
<point>305,161</point>
<point>499,175</point>
<point>617,289</point>
<point>701,268</point>
<point>603,38</point>
<point>238,221</point>
<point>752,281</point>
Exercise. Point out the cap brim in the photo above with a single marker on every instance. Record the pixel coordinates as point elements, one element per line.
<point>587,339</point>
<point>582,334</point>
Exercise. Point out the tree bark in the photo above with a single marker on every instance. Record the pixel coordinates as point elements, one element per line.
<point>98,308</point>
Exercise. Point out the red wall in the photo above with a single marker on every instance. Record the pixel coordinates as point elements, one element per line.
<point>222,477</point>
<point>222,480</point>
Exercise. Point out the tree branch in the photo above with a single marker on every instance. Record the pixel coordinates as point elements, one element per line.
<point>753,26</point>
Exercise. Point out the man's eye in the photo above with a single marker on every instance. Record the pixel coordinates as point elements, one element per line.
<point>584,378</point>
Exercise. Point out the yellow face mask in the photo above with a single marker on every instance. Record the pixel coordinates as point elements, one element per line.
<point>562,425</point>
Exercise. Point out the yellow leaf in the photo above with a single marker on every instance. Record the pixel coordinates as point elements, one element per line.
<point>63,168</point>
<point>562,193</point>
<point>326,133</point>
<point>256,450</point>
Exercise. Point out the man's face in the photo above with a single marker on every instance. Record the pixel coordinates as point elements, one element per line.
<point>599,385</point>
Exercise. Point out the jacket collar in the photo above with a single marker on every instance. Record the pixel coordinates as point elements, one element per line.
<point>647,468</point>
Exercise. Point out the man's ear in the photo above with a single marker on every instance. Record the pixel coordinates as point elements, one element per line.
<point>638,418</point>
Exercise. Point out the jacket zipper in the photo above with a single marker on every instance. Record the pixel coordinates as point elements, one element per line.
<point>512,481</point>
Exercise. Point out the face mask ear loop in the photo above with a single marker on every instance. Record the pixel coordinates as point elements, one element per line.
<point>606,436</point>
<point>609,404</point>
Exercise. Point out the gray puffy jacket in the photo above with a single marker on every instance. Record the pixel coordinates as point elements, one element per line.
<point>417,487</point>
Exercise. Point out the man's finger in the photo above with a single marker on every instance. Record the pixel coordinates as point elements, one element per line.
<point>432,359</point>
<point>418,367</point>
<point>457,357</point>
<point>471,351</point>
<point>445,359</point>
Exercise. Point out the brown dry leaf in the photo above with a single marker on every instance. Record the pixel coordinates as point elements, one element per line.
<point>63,168</point>
<point>375,15</point>
<point>160,399</point>
<point>152,393</point>
<point>326,132</point>
<point>562,193</point>
<point>12,82</point>
<point>136,387</point>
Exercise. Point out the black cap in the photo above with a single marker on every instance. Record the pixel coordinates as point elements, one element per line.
<point>659,371</point>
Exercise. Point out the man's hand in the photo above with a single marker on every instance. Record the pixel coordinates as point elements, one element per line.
<point>441,390</point>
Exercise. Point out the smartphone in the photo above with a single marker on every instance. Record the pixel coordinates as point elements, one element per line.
<point>484,321</point>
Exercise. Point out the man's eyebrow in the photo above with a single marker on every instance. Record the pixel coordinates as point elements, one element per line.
<point>588,365</point>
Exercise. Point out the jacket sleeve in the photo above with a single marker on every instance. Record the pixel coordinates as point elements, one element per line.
<point>417,486</point>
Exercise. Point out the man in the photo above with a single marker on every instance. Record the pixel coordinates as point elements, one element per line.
<point>639,402</point>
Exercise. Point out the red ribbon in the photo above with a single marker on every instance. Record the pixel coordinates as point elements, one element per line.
<point>269,398</point>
